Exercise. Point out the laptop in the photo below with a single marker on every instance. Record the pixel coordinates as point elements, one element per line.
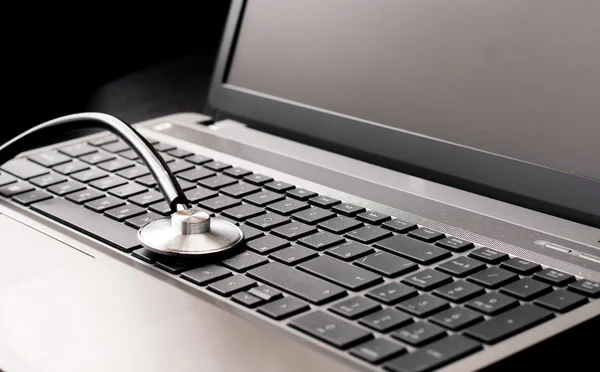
<point>418,183</point>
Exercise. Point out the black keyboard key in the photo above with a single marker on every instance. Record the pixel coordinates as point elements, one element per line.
<point>493,277</point>
<point>373,217</point>
<point>521,266</point>
<point>492,303</point>
<point>97,158</point>
<point>197,194</point>
<point>173,265</point>
<point>72,167</point>
<point>134,172</point>
<point>147,181</point>
<point>321,240</point>
<point>47,180</point>
<point>258,179</point>
<point>115,147</point>
<point>163,147</point>
<point>115,165</point>
<point>386,264</point>
<point>179,153</point>
<point>179,166</point>
<point>103,140</point>
<point>102,228</point>
<point>279,186</point>
<point>265,292</point>
<point>219,203</point>
<point>436,355</point>
<point>240,190</point>
<point>330,329</point>
<point>419,333</point>
<point>427,279</point>
<point>100,205</point>
<point>293,255</point>
<point>250,233</point>
<point>5,179</point>
<point>386,320</point>
<point>243,212</point>
<point>124,212</point>
<point>296,282</point>
<point>368,234</point>
<point>263,198</point>
<point>302,194</point>
<point>457,318</point>
<point>287,206</point>
<point>23,168</point>
<point>147,198</point>
<point>426,235</point>
<point>399,226</point>
<point>459,291</point>
<point>338,272</point>
<point>413,249</point>
<point>89,175</point>
<point>161,208</point>
<point>78,150</point>
<point>423,305</point>
<point>66,188</point>
<point>586,287</point>
<point>84,196</point>
<point>294,230</point>
<point>461,266</point>
<point>198,159</point>
<point>488,255</point>
<point>266,244</point>
<point>355,307</point>
<point>510,323</point>
<point>377,350</point>
<point>217,165</point>
<point>231,285</point>
<point>217,182</point>
<point>348,209</point>
<point>129,154</point>
<point>554,277</point>
<point>283,308</point>
<point>167,158</point>
<point>526,289</point>
<point>455,244</point>
<point>349,251</point>
<point>236,172</point>
<point>195,174</point>
<point>50,158</point>
<point>313,215</point>
<point>31,197</point>
<point>561,300</point>
<point>267,221</point>
<point>340,224</point>
<point>206,274</point>
<point>323,201</point>
<point>247,299</point>
<point>108,182</point>
<point>392,293</point>
<point>144,219</point>
<point>127,191</point>
<point>244,261</point>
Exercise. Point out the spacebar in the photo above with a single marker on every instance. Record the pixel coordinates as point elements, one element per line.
<point>88,222</point>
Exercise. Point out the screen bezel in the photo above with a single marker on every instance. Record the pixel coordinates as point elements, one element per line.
<point>551,191</point>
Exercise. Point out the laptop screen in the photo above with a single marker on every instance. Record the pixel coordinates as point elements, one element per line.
<point>510,77</point>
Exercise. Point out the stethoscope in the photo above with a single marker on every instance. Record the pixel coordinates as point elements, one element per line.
<point>188,231</point>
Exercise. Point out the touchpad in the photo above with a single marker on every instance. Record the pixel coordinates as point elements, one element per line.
<point>26,253</point>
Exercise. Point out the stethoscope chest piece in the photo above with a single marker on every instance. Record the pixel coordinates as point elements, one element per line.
<point>189,232</point>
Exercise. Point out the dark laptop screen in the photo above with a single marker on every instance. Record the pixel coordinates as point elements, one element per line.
<point>511,77</point>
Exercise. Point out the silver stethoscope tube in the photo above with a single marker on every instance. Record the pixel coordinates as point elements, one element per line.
<point>188,231</point>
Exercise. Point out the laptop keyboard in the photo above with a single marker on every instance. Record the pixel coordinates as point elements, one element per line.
<point>382,290</point>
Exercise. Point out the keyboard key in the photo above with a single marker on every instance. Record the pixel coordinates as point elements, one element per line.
<point>144,219</point>
<point>459,291</point>
<point>488,255</point>
<point>340,224</point>
<point>373,217</point>
<point>115,147</point>
<point>461,266</point>
<point>31,197</point>
<point>298,283</point>
<point>195,174</point>
<point>423,305</point>
<point>413,249</point>
<point>266,244</point>
<point>348,209</point>
<point>206,274</point>
<point>399,226</point>
<point>392,293</point>
<point>217,166</point>
<point>340,273</point>
<point>386,264</point>
<point>173,265</point>
<point>377,350</point>
<point>586,287</point>
<point>301,194</point>
<point>147,198</point>
<point>104,229</point>
<point>287,206</point>
<point>263,198</point>
<point>492,303</point>
<point>179,153</point>
<point>72,167</point>
<point>231,285</point>
<point>455,244</point>
<point>162,208</point>
<point>355,307</point>
<point>267,221</point>
<point>50,158</point>
<point>89,175</point>
<point>493,277</point>
<point>103,140</point>
<point>100,205</point>
<point>554,277</point>
<point>97,158</point>
<point>66,187</point>
<point>323,201</point>
<point>15,188</point>
<point>244,261</point>
<point>196,194</point>
<point>115,165</point>
<point>283,308</point>
<point>179,166</point>
<point>108,182</point>
<point>313,216</point>
<point>293,255</point>
<point>427,279</point>
<point>349,251</point>
<point>127,191</point>
<point>5,179</point>
<point>219,203</point>
<point>217,182</point>
<point>526,289</point>
<point>561,300</point>
<point>386,320</point>
<point>134,172</point>
<point>46,180</point>
<point>247,299</point>
<point>279,186</point>
<point>243,212</point>
<point>510,323</point>
<point>265,292</point>
<point>163,147</point>
<point>426,235</point>
<point>419,333</point>
<point>167,158</point>
<point>294,230</point>
<point>129,154</point>
<point>23,168</point>
<point>236,172</point>
<point>84,196</point>
<point>124,212</point>
<point>520,266</point>
<point>330,329</point>
<point>240,190</point>
<point>368,234</point>
<point>258,179</point>
<point>321,240</point>
<point>147,181</point>
<point>435,355</point>
<point>456,318</point>
<point>198,159</point>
